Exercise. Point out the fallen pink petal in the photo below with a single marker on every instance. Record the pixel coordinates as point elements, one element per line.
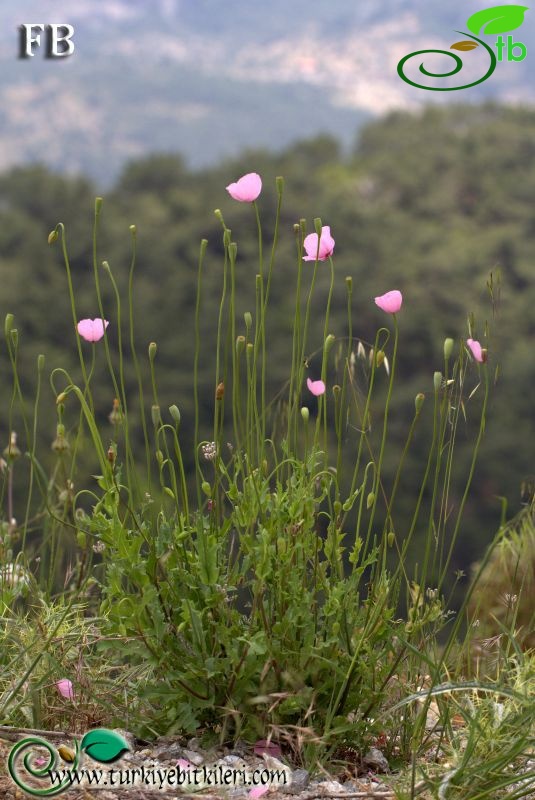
<point>258,791</point>
<point>326,245</point>
<point>476,350</point>
<point>183,764</point>
<point>269,748</point>
<point>390,302</point>
<point>246,189</point>
<point>92,330</point>
<point>316,387</point>
<point>65,688</point>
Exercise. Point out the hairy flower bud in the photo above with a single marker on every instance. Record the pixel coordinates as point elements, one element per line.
<point>448,348</point>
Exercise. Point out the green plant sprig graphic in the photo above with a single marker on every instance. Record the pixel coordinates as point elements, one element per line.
<point>40,772</point>
<point>458,66</point>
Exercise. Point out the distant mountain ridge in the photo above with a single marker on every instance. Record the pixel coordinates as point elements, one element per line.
<point>207,78</point>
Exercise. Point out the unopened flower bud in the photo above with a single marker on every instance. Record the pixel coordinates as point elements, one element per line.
<point>40,362</point>
<point>156,416</point>
<point>52,236</point>
<point>12,452</point>
<point>318,226</point>
<point>336,390</point>
<point>159,457</point>
<point>279,183</point>
<point>448,348</point>
<point>337,506</point>
<point>419,401</point>
<point>391,538</point>
<point>248,317</point>
<point>175,414</point>
<point>98,204</point>
<point>132,229</point>
<point>349,284</point>
<point>370,500</point>
<point>437,380</point>
<point>60,443</point>
<point>153,348</point>
<point>62,396</point>
<point>115,416</point>
<point>305,413</point>
<point>111,454</point>
<point>329,341</point>
<point>379,358</point>
<point>207,489</point>
<point>240,344</point>
<point>8,324</point>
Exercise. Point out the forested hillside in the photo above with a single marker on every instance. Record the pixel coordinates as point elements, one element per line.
<point>429,204</point>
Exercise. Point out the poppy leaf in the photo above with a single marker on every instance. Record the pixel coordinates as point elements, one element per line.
<point>104,745</point>
<point>498,19</point>
<point>466,44</point>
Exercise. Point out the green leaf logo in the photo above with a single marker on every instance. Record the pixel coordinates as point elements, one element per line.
<point>103,745</point>
<point>498,19</point>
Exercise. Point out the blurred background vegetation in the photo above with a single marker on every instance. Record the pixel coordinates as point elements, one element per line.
<point>428,203</point>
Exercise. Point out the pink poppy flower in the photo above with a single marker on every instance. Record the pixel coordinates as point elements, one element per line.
<point>316,387</point>
<point>92,329</point>
<point>390,302</point>
<point>476,350</point>
<point>246,189</point>
<point>326,245</point>
<point>258,791</point>
<point>64,687</point>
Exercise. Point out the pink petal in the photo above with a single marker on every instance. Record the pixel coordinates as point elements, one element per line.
<point>326,245</point>
<point>258,791</point>
<point>92,329</point>
<point>64,687</point>
<point>263,746</point>
<point>183,764</point>
<point>476,350</point>
<point>390,302</point>
<point>246,189</point>
<point>316,387</point>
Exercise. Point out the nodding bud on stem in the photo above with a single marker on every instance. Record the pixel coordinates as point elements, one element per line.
<point>240,344</point>
<point>220,391</point>
<point>370,500</point>
<point>175,414</point>
<point>153,349</point>
<point>106,266</point>
<point>379,358</point>
<point>336,390</point>
<point>437,380</point>
<point>305,413</point>
<point>391,538</point>
<point>219,215</point>
<point>329,341</point>
<point>62,396</point>
<point>52,236</point>
<point>448,348</point>
<point>419,401</point>
<point>156,416</point>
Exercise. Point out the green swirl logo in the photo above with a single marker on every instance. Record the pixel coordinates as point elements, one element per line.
<point>488,21</point>
<point>24,764</point>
